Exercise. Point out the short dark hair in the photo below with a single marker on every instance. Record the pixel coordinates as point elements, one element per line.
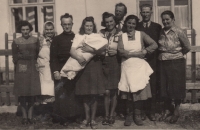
<point>122,4</point>
<point>145,5</point>
<point>168,12</point>
<point>124,28</point>
<point>87,19</point>
<point>66,15</point>
<point>107,15</point>
<point>24,23</point>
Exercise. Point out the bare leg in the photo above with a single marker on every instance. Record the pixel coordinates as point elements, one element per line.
<point>87,111</point>
<point>113,103</point>
<point>107,102</point>
<point>94,108</point>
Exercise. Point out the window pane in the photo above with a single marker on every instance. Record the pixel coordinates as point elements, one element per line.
<point>164,2</point>
<point>32,17</point>
<point>181,13</point>
<point>47,12</point>
<point>47,0</point>
<point>17,16</point>
<point>146,2</point>
<point>181,2</point>
<point>16,1</point>
<point>32,1</point>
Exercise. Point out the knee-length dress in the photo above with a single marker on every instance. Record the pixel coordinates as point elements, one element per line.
<point>25,53</point>
<point>135,71</point>
<point>47,84</point>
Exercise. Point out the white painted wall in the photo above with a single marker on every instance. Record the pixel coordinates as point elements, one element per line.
<point>4,26</point>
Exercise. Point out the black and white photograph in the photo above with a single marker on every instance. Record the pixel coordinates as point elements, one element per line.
<point>99,64</point>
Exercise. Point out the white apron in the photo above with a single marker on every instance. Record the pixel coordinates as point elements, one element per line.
<point>135,72</point>
<point>47,84</point>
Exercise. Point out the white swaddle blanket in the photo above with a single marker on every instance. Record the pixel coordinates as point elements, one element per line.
<point>135,72</point>
<point>71,67</point>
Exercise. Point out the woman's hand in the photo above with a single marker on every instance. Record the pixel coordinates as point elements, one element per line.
<point>112,52</point>
<point>81,60</point>
<point>87,48</point>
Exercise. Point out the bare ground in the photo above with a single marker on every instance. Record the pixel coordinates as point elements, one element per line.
<point>188,120</point>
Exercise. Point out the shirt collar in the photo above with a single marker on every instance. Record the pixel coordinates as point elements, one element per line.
<point>148,23</point>
<point>173,28</point>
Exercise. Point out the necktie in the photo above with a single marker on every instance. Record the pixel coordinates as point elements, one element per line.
<point>119,27</point>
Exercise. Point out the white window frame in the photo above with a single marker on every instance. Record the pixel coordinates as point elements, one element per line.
<point>155,11</point>
<point>39,4</point>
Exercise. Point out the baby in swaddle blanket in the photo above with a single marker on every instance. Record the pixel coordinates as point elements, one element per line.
<point>95,41</point>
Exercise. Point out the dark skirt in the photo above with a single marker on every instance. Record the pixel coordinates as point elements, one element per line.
<point>27,82</point>
<point>91,79</point>
<point>67,104</point>
<point>111,70</point>
<point>173,79</point>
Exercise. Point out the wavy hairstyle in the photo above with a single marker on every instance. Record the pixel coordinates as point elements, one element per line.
<point>87,19</point>
<point>107,15</point>
<point>124,28</point>
<point>24,23</point>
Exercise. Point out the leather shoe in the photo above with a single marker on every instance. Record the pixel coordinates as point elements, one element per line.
<point>165,115</point>
<point>64,123</point>
<point>152,117</point>
<point>138,121</point>
<point>128,120</point>
<point>174,119</point>
<point>143,116</point>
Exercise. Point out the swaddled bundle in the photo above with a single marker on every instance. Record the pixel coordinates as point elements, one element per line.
<point>72,66</point>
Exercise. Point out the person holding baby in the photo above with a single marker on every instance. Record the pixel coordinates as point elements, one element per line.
<point>90,82</point>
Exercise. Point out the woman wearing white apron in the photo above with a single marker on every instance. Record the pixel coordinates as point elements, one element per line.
<point>135,71</point>
<point>47,84</point>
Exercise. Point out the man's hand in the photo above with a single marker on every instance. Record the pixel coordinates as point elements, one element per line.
<point>57,76</point>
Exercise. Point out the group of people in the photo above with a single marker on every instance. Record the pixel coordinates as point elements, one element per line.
<point>140,63</point>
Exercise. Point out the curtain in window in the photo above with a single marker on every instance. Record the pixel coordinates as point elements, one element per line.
<point>181,16</point>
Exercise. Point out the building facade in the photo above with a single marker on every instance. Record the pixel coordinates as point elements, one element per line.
<point>39,11</point>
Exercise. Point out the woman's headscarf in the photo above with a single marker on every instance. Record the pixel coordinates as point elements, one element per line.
<point>44,37</point>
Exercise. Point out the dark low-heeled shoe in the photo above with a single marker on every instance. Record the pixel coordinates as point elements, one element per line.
<point>24,121</point>
<point>105,121</point>
<point>174,119</point>
<point>93,124</point>
<point>111,120</point>
<point>152,117</point>
<point>143,116</point>
<point>32,121</point>
<point>165,115</point>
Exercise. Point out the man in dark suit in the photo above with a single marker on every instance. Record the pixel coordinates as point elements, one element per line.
<point>120,12</point>
<point>153,30</point>
<point>66,105</point>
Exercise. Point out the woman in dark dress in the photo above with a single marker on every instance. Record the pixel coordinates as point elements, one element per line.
<point>173,45</point>
<point>25,51</point>
<point>90,81</point>
<point>111,67</point>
